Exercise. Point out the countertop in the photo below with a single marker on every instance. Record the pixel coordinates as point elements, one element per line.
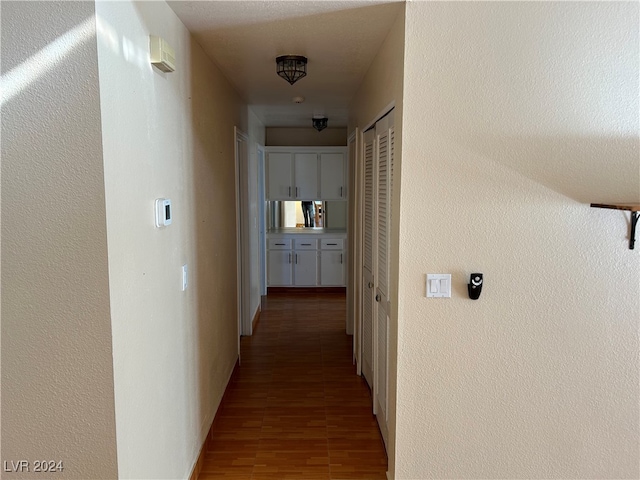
<point>307,231</point>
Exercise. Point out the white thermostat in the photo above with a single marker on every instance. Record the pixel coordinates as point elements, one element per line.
<point>163,212</point>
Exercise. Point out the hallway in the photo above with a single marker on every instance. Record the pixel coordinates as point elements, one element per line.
<point>295,409</point>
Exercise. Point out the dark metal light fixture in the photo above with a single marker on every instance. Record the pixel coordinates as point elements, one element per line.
<point>320,123</point>
<point>291,67</point>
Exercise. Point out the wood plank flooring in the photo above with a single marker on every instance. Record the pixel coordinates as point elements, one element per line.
<point>295,409</point>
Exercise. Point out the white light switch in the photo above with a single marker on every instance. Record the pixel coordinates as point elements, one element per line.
<point>439,285</point>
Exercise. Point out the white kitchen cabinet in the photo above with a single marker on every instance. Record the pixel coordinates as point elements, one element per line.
<point>332,261</point>
<point>280,268</point>
<point>305,268</point>
<point>306,173</point>
<point>306,260</point>
<point>305,168</point>
<point>279,176</point>
<point>332,176</point>
<point>331,268</point>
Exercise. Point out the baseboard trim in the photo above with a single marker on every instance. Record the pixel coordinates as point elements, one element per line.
<point>306,290</point>
<point>197,468</point>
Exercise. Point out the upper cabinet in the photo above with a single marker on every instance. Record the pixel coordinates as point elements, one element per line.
<point>279,176</point>
<point>306,173</point>
<point>332,184</point>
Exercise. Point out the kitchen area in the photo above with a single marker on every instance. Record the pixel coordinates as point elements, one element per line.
<point>306,217</point>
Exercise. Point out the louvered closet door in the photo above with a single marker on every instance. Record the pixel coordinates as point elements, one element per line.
<point>384,161</point>
<point>368,258</point>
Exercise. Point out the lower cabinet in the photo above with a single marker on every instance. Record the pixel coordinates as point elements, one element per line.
<point>279,268</point>
<point>305,268</point>
<point>332,261</point>
<point>305,262</point>
<point>331,268</point>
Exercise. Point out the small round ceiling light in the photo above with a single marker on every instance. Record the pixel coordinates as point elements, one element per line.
<point>291,67</point>
<point>298,99</point>
<point>320,123</point>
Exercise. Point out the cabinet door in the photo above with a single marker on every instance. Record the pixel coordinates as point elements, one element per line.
<point>306,176</point>
<point>332,185</point>
<point>279,176</point>
<point>332,268</point>
<point>279,268</point>
<point>305,268</point>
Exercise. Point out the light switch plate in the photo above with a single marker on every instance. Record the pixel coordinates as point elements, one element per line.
<point>438,285</point>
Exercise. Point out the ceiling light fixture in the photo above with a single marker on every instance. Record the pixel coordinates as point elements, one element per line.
<point>291,67</point>
<point>320,123</point>
<point>298,99</point>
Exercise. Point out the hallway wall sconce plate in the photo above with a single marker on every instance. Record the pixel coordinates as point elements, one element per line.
<point>291,67</point>
<point>320,123</point>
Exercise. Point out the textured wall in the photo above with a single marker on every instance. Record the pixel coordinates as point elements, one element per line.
<point>57,375</point>
<point>382,85</point>
<point>167,135</point>
<point>539,377</point>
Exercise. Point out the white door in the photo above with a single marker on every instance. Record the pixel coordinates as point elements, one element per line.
<point>368,258</point>
<point>384,158</point>
<point>306,176</point>
<point>332,176</point>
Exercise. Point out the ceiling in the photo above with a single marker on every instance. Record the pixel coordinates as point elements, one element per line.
<point>340,39</point>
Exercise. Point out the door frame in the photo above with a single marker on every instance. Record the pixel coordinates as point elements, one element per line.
<point>262,219</point>
<point>242,234</point>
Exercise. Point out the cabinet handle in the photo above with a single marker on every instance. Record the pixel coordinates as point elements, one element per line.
<point>306,244</point>
<point>378,298</point>
<point>296,258</point>
<point>340,259</point>
<point>289,258</point>
<point>289,192</point>
<point>340,192</point>
<point>280,244</point>
<point>370,285</point>
<point>296,192</point>
<point>334,244</point>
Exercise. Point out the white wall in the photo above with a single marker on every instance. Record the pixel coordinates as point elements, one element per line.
<point>539,377</point>
<point>167,135</point>
<point>291,212</point>
<point>57,374</point>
